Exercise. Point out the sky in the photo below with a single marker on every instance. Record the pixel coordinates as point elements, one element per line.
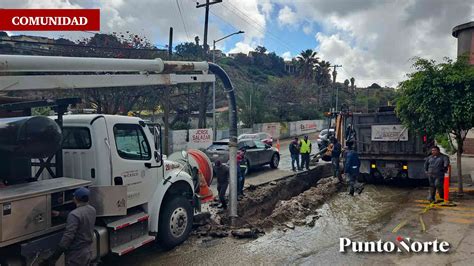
<point>373,40</point>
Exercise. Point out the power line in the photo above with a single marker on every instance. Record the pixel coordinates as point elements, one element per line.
<point>250,24</point>
<point>254,23</point>
<point>206,20</point>
<point>182,20</point>
<point>83,46</point>
<point>223,20</point>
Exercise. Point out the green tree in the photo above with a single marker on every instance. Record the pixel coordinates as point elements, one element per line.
<point>353,84</point>
<point>346,84</point>
<point>251,104</point>
<point>189,51</point>
<point>439,98</point>
<point>307,61</point>
<point>195,52</point>
<point>261,50</point>
<point>286,98</point>
<point>322,75</point>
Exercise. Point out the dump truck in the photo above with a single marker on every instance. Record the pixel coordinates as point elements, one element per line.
<point>140,196</point>
<point>387,149</point>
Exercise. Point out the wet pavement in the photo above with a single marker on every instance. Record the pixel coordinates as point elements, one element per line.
<point>367,217</point>
<point>381,212</point>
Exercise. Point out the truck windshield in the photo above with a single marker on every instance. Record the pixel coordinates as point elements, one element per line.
<point>131,142</point>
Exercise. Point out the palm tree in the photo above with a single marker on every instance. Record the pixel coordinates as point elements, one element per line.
<point>307,60</point>
<point>346,84</point>
<point>322,75</point>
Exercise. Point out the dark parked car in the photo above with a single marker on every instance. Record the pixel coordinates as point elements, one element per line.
<point>262,136</point>
<point>256,153</point>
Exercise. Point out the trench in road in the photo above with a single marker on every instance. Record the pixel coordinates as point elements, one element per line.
<point>260,202</point>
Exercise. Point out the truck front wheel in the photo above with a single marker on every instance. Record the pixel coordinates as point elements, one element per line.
<point>175,223</point>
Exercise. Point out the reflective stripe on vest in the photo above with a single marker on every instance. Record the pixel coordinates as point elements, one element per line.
<point>305,146</point>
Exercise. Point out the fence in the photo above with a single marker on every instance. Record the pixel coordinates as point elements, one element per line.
<point>202,138</point>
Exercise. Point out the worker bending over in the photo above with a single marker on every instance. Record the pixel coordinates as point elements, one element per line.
<point>77,237</point>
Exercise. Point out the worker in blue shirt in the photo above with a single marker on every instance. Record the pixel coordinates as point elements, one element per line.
<point>351,168</point>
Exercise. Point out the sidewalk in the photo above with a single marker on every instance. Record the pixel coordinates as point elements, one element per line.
<point>467,169</point>
<point>453,224</point>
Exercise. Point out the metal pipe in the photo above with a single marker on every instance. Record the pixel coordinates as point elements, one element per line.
<point>185,66</point>
<point>218,71</point>
<point>214,127</point>
<point>27,63</point>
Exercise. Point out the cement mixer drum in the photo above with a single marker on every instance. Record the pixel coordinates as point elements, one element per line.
<point>196,159</point>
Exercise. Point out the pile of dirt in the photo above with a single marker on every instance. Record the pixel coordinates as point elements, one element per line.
<point>290,201</point>
<point>257,208</point>
<point>298,208</point>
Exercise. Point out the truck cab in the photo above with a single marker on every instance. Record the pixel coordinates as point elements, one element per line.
<point>111,150</point>
<point>139,196</point>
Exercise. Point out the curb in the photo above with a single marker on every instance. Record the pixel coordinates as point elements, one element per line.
<point>294,175</point>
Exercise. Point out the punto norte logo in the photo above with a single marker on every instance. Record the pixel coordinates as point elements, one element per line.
<point>402,245</point>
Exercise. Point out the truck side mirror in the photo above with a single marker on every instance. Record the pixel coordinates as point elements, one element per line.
<point>157,137</point>
<point>158,154</point>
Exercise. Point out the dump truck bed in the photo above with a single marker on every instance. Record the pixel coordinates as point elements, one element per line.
<point>382,135</point>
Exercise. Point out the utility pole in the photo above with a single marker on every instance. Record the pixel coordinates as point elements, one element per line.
<point>206,20</point>
<point>170,43</point>
<point>335,89</point>
<point>166,105</point>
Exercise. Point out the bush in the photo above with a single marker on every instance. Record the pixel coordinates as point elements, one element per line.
<point>443,141</point>
<point>180,125</point>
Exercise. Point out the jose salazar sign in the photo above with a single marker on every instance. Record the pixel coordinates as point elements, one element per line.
<point>201,136</point>
<point>197,139</point>
<point>403,245</point>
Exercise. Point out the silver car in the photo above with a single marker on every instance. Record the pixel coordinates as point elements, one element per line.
<point>256,153</point>
<point>324,135</point>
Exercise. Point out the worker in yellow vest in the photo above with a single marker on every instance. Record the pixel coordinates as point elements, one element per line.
<point>305,151</point>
